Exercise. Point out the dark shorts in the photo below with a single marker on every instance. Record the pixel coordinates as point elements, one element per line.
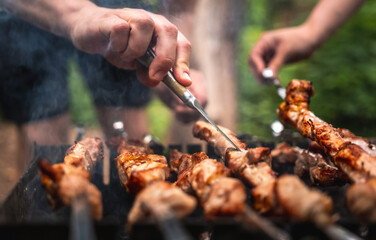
<point>111,86</point>
<point>34,73</point>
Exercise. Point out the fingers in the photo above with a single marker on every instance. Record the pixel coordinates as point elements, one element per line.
<point>116,30</point>
<point>127,34</point>
<point>143,76</point>
<point>141,32</point>
<point>165,49</point>
<point>181,69</point>
<point>256,61</point>
<point>198,89</point>
<point>277,61</point>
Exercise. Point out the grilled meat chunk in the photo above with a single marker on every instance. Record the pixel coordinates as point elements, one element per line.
<point>94,146</point>
<point>209,133</point>
<point>226,198</point>
<point>78,156</point>
<point>259,174</point>
<point>204,174</point>
<point>361,200</point>
<point>137,169</point>
<point>121,145</point>
<point>64,182</point>
<point>160,200</point>
<point>175,157</point>
<point>208,179</point>
<point>67,181</point>
<point>353,160</point>
<point>309,164</point>
<point>303,203</point>
<point>143,173</point>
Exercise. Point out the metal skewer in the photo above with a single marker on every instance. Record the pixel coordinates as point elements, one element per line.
<point>81,225</point>
<point>276,126</point>
<point>268,75</point>
<point>182,92</point>
<point>250,219</point>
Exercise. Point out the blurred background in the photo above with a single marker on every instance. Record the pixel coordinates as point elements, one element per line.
<point>343,73</point>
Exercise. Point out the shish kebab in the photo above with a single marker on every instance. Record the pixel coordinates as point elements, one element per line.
<point>143,174</point>
<point>283,196</point>
<point>353,155</point>
<point>68,181</point>
<point>218,194</point>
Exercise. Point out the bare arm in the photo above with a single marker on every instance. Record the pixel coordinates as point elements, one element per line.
<point>293,44</point>
<point>329,15</point>
<point>53,16</point>
<point>119,35</point>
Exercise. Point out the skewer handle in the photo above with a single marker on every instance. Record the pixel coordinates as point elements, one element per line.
<point>81,224</point>
<point>172,229</point>
<point>336,232</point>
<point>252,220</point>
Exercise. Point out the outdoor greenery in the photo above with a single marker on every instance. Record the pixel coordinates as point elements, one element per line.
<point>343,73</point>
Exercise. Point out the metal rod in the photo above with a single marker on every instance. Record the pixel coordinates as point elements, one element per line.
<point>172,229</point>
<point>251,220</point>
<point>182,92</point>
<point>268,75</point>
<point>336,232</point>
<point>81,225</point>
<point>203,113</point>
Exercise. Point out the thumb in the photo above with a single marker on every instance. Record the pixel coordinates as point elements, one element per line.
<point>276,62</point>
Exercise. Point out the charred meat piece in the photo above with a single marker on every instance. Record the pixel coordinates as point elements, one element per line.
<point>160,200</point>
<point>78,156</point>
<point>121,145</point>
<point>94,146</point>
<point>364,143</point>
<point>143,173</point>
<point>303,203</point>
<point>67,181</point>
<point>204,174</point>
<point>137,169</point>
<point>260,175</point>
<point>64,182</point>
<point>186,164</point>
<point>207,132</point>
<point>175,156</point>
<point>352,159</point>
<point>361,200</point>
<point>238,160</point>
<point>226,198</point>
<point>283,153</point>
<point>208,179</point>
<point>309,164</point>
<point>85,153</point>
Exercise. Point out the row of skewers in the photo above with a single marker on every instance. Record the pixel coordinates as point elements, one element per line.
<point>338,157</point>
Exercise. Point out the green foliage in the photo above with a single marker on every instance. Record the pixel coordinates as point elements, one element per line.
<point>343,73</point>
<point>159,118</point>
<point>81,105</point>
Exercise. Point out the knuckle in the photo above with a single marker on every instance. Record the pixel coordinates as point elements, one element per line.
<point>171,30</point>
<point>144,20</point>
<point>186,45</point>
<point>166,62</point>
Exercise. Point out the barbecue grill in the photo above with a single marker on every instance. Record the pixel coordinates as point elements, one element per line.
<point>26,213</point>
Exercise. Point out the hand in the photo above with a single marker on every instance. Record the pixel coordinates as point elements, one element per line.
<point>183,112</point>
<point>278,47</point>
<point>123,35</point>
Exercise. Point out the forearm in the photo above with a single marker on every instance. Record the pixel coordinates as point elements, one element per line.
<point>52,15</point>
<point>328,16</point>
